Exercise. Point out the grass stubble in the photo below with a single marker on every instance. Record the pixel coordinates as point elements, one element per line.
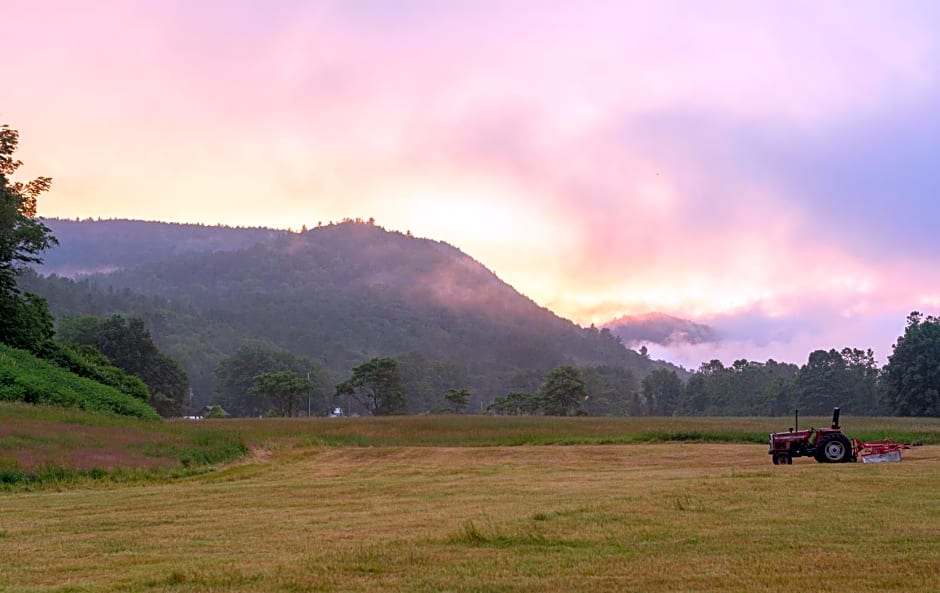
<point>306,516</point>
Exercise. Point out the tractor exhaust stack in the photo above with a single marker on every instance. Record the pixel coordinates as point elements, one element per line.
<point>835,418</point>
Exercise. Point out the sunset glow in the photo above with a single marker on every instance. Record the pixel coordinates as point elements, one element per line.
<point>770,169</point>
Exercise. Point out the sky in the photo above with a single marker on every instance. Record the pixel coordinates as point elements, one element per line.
<point>772,169</point>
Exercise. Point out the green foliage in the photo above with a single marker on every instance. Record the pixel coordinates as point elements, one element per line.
<point>284,388</point>
<point>216,411</point>
<point>515,403</point>
<point>23,377</point>
<point>848,379</point>
<point>88,362</point>
<point>22,237</point>
<point>609,390</point>
<point>911,379</point>
<point>25,321</point>
<point>562,392</point>
<point>128,345</point>
<point>458,398</point>
<point>662,391</point>
<point>424,379</point>
<point>745,388</point>
<point>339,294</point>
<point>235,374</point>
<point>376,386</point>
<point>206,447</point>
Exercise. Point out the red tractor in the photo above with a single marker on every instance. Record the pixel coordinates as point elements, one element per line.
<point>826,445</point>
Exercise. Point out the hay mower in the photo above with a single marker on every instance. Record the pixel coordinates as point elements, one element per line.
<point>830,445</point>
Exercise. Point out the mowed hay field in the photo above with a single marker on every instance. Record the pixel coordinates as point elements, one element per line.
<point>302,516</point>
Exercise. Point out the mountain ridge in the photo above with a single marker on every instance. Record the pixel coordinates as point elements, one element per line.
<point>342,293</point>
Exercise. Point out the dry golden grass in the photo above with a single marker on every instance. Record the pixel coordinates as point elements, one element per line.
<point>638,517</point>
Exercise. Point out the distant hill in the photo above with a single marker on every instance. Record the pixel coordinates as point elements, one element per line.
<point>101,246</point>
<point>659,328</point>
<point>341,294</point>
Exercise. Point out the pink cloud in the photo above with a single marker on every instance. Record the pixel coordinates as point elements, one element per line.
<point>603,159</point>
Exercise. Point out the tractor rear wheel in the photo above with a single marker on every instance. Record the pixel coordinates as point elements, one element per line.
<point>833,448</point>
<point>782,458</point>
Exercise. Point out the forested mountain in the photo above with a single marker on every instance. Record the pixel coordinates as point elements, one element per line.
<point>659,328</point>
<point>93,246</point>
<point>340,294</point>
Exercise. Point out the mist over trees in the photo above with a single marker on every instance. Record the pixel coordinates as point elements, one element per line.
<point>261,320</point>
<point>340,295</point>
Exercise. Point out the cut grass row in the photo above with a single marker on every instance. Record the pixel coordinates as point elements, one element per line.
<point>644,517</point>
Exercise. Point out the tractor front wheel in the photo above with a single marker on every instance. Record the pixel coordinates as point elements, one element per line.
<point>833,448</point>
<point>782,458</point>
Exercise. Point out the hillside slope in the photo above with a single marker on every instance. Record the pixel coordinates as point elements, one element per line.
<point>341,294</point>
<point>25,378</point>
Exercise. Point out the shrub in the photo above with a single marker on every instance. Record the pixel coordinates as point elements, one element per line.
<point>23,377</point>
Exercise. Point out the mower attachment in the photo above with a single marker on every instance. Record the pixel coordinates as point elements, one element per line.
<point>884,451</point>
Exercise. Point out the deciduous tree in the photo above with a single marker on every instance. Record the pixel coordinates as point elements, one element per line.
<point>128,345</point>
<point>377,386</point>
<point>22,237</point>
<point>662,391</point>
<point>562,392</point>
<point>458,398</point>
<point>911,379</point>
<point>285,388</point>
<point>24,321</point>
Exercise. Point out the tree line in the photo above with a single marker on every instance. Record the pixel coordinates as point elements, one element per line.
<point>848,378</point>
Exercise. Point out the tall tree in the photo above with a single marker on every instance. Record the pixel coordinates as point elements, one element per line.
<point>846,378</point>
<point>377,386</point>
<point>285,388</point>
<point>22,237</point>
<point>609,389</point>
<point>128,345</point>
<point>24,321</point>
<point>234,376</point>
<point>911,379</point>
<point>662,391</point>
<point>458,399</point>
<point>562,392</point>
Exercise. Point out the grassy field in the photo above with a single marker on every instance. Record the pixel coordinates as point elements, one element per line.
<point>420,510</point>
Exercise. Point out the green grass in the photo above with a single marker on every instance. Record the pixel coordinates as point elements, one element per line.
<point>492,431</point>
<point>25,378</point>
<point>52,447</point>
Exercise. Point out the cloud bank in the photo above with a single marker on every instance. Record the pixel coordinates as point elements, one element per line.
<point>766,168</point>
